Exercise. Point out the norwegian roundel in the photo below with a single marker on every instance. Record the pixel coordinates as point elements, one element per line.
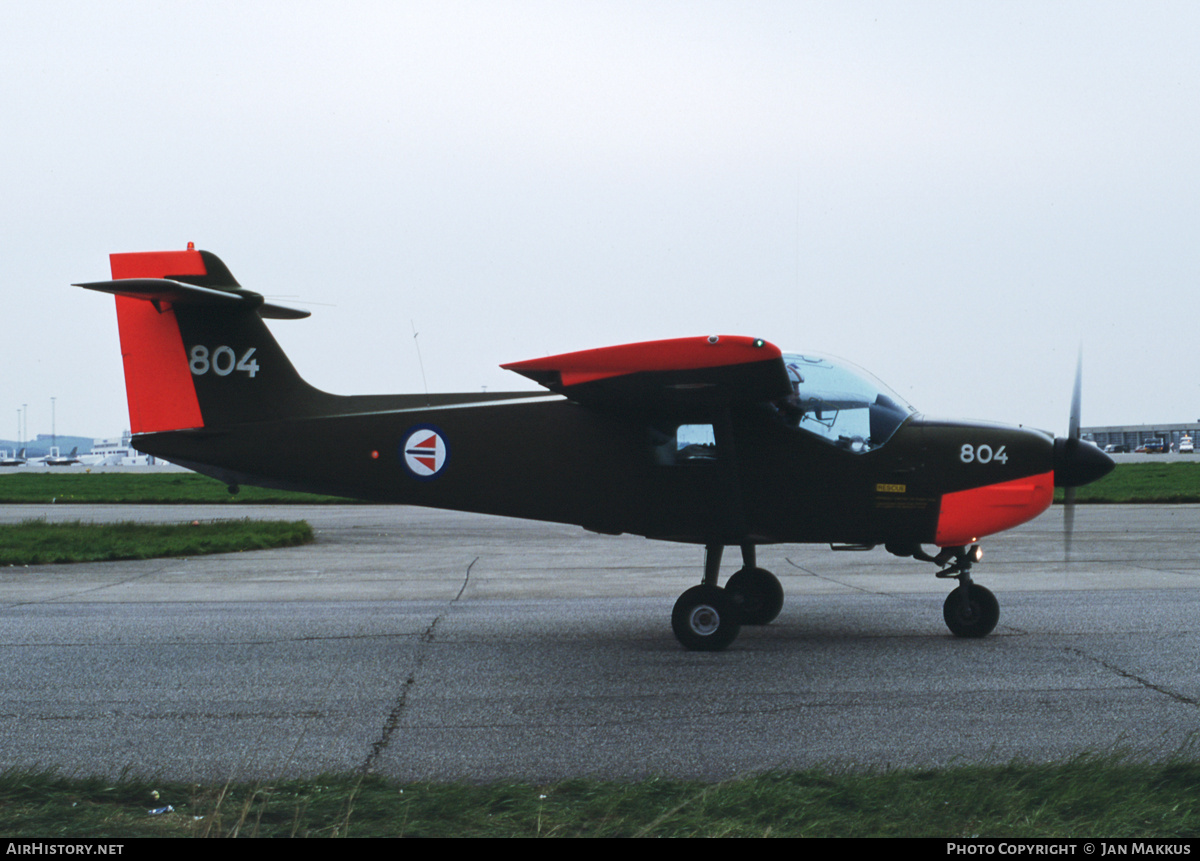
<point>424,452</point>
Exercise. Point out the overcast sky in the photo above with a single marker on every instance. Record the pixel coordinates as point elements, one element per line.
<point>954,195</point>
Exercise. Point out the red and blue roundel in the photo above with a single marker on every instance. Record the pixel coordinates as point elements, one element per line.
<point>424,452</point>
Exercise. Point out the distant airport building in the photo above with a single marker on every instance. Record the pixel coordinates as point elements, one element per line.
<point>1135,436</point>
<point>117,451</point>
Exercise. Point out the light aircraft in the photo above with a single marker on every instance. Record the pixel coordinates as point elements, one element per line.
<point>17,459</point>
<point>716,440</point>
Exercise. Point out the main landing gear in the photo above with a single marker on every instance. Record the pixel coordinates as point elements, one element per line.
<point>708,618</point>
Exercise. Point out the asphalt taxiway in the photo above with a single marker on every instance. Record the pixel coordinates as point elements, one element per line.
<point>432,645</point>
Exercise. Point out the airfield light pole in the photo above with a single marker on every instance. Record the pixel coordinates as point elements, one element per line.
<point>25,415</point>
<point>53,429</point>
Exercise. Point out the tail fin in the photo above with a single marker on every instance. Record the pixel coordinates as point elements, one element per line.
<point>196,351</point>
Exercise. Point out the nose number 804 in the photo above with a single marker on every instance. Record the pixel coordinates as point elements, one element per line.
<point>982,454</point>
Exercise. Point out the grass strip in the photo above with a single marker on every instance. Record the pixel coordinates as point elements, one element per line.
<point>36,542</point>
<point>1086,796</point>
<point>151,488</point>
<point>1171,482</point>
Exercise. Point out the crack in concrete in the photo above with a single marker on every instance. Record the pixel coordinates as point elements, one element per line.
<point>832,580</point>
<point>68,594</point>
<point>392,723</point>
<point>842,583</point>
<point>1133,677</point>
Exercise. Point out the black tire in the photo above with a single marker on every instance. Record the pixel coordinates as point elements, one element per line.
<point>704,619</point>
<point>757,594</point>
<point>977,618</point>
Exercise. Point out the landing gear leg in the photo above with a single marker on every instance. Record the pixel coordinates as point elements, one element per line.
<point>712,563</point>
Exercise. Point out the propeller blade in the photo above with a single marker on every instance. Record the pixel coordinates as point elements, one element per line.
<point>1068,521</point>
<point>1076,398</point>
<point>1076,462</point>
<point>1072,453</point>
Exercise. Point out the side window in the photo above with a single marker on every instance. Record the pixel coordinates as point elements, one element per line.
<point>684,443</point>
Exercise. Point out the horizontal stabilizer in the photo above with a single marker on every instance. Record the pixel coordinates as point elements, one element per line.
<point>177,292</point>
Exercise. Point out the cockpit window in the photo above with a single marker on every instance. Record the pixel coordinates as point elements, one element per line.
<point>839,403</point>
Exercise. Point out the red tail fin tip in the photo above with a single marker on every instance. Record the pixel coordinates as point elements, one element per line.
<point>158,383</point>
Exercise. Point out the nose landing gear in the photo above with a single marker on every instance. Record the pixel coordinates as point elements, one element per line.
<point>970,611</point>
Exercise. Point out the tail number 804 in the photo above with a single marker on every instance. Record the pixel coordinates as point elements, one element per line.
<point>222,361</point>
<point>982,454</point>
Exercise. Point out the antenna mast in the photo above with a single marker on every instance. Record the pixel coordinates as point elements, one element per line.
<point>419,361</point>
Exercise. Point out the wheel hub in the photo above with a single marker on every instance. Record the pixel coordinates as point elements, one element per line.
<point>704,620</point>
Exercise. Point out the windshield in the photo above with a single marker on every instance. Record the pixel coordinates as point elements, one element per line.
<point>840,403</point>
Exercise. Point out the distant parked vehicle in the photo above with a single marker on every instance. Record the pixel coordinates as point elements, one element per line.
<point>1117,448</point>
<point>1156,446</point>
<point>1186,446</point>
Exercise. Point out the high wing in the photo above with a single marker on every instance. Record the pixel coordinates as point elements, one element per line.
<point>679,374</point>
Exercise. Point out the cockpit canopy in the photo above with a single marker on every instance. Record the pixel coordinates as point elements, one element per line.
<point>840,403</point>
